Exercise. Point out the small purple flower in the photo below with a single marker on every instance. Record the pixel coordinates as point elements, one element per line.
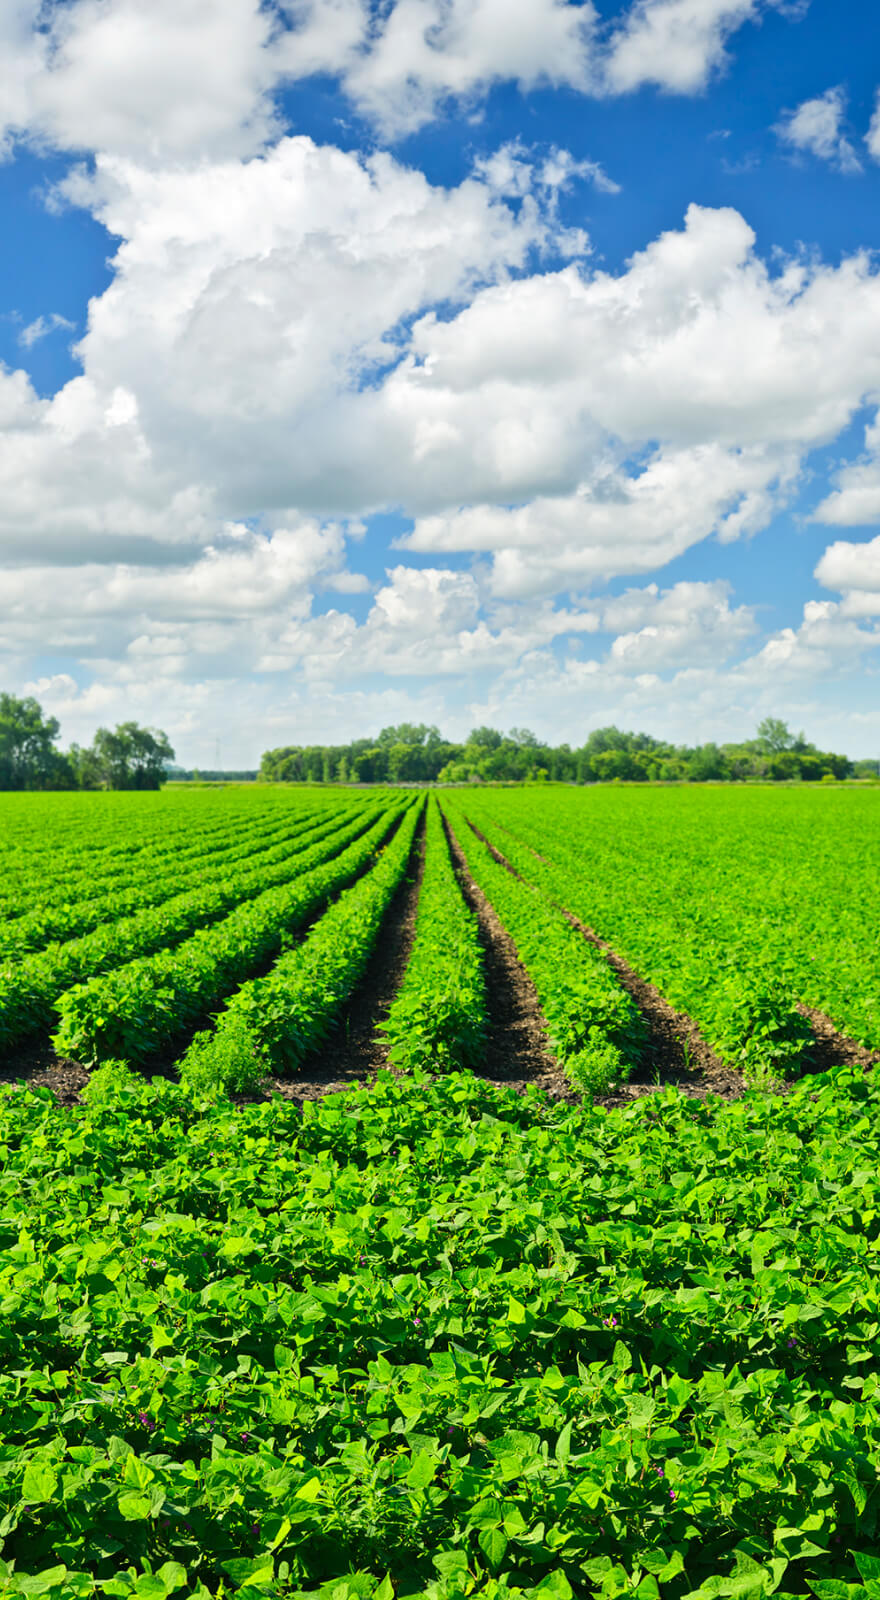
<point>791,1344</point>
<point>244,1437</point>
<point>146,1421</point>
<point>417,1322</point>
<point>672,1494</point>
<point>659,1471</point>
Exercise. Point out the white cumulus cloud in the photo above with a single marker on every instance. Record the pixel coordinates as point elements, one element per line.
<point>817,126</point>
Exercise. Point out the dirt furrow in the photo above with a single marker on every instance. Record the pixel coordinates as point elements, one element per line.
<point>40,1067</point>
<point>357,1051</point>
<point>676,1051</point>
<point>835,1049</point>
<point>517,1053</point>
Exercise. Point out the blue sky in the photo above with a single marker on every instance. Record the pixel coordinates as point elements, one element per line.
<point>450,361</point>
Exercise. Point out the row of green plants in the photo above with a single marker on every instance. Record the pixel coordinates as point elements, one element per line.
<point>275,1023</point>
<point>147,1007</point>
<point>741,911</point>
<point>89,837</point>
<point>438,1017</point>
<point>596,1031</point>
<point>148,882</point>
<point>30,988</point>
<point>434,1339</point>
<point>64,868</point>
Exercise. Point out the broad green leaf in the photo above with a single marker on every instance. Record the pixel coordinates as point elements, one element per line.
<point>40,1482</point>
<point>493,1544</point>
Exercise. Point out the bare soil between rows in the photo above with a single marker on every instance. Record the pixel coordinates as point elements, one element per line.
<point>835,1049</point>
<point>357,1049</point>
<point>676,1051</point>
<point>517,1054</point>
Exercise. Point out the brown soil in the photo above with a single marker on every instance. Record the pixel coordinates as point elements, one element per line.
<point>357,1051</point>
<point>39,1065</point>
<point>676,1051</point>
<point>833,1049</point>
<point>517,1053</point>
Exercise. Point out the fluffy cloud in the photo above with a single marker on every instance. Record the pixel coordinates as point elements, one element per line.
<point>827,642</point>
<point>181,78</point>
<point>233,364</point>
<point>817,126</point>
<point>856,499</point>
<point>676,44</point>
<point>195,79</point>
<point>853,570</point>
<point>268,341</point>
<point>681,627</point>
<point>226,604</point>
<point>616,523</point>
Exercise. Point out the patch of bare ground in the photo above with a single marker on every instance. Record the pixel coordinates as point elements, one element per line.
<point>39,1066</point>
<point>517,1054</point>
<point>834,1049</point>
<point>676,1052</point>
<point>357,1050</point>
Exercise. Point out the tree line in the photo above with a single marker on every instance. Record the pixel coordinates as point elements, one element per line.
<point>125,757</point>
<point>133,757</point>
<point>418,753</point>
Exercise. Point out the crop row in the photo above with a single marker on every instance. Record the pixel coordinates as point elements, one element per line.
<point>438,1017</point>
<point>83,846</point>
<point>30,988</point>
<point>743,1000</point>
<point>273,1023</point>
<point>63,876</point>
<point>152,882</point>
<point>146,1007</point>
<point>596,1031</point>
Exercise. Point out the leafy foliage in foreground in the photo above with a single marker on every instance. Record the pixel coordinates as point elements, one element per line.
<point>596,1031</point>
<point>275,1022</point>
<point>438,1018</point>
<point>434,1339</point>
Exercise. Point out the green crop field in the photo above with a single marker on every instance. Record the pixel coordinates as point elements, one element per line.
<point>472,1193</point>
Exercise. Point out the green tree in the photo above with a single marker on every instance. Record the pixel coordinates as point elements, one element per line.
<point>776,736</point>
<point>28,757</point>
<point>129,757</point>
<point>486,738</point>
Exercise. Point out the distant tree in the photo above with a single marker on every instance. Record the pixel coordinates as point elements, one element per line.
<point>129,757</point>
<point>524,737</point>
<point>705,763</point>
<point>28,757</point>
<point>776,736</point>
<point>486,738</point>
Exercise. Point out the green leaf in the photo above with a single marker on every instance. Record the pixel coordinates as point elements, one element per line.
<point>173,1575</point>
<point>40,1482</point>
<point>493,1544</point>
<point>563,1445</point>
<point>422,1470</point>
<point>41,1582</point>
<point>135,1507</point>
